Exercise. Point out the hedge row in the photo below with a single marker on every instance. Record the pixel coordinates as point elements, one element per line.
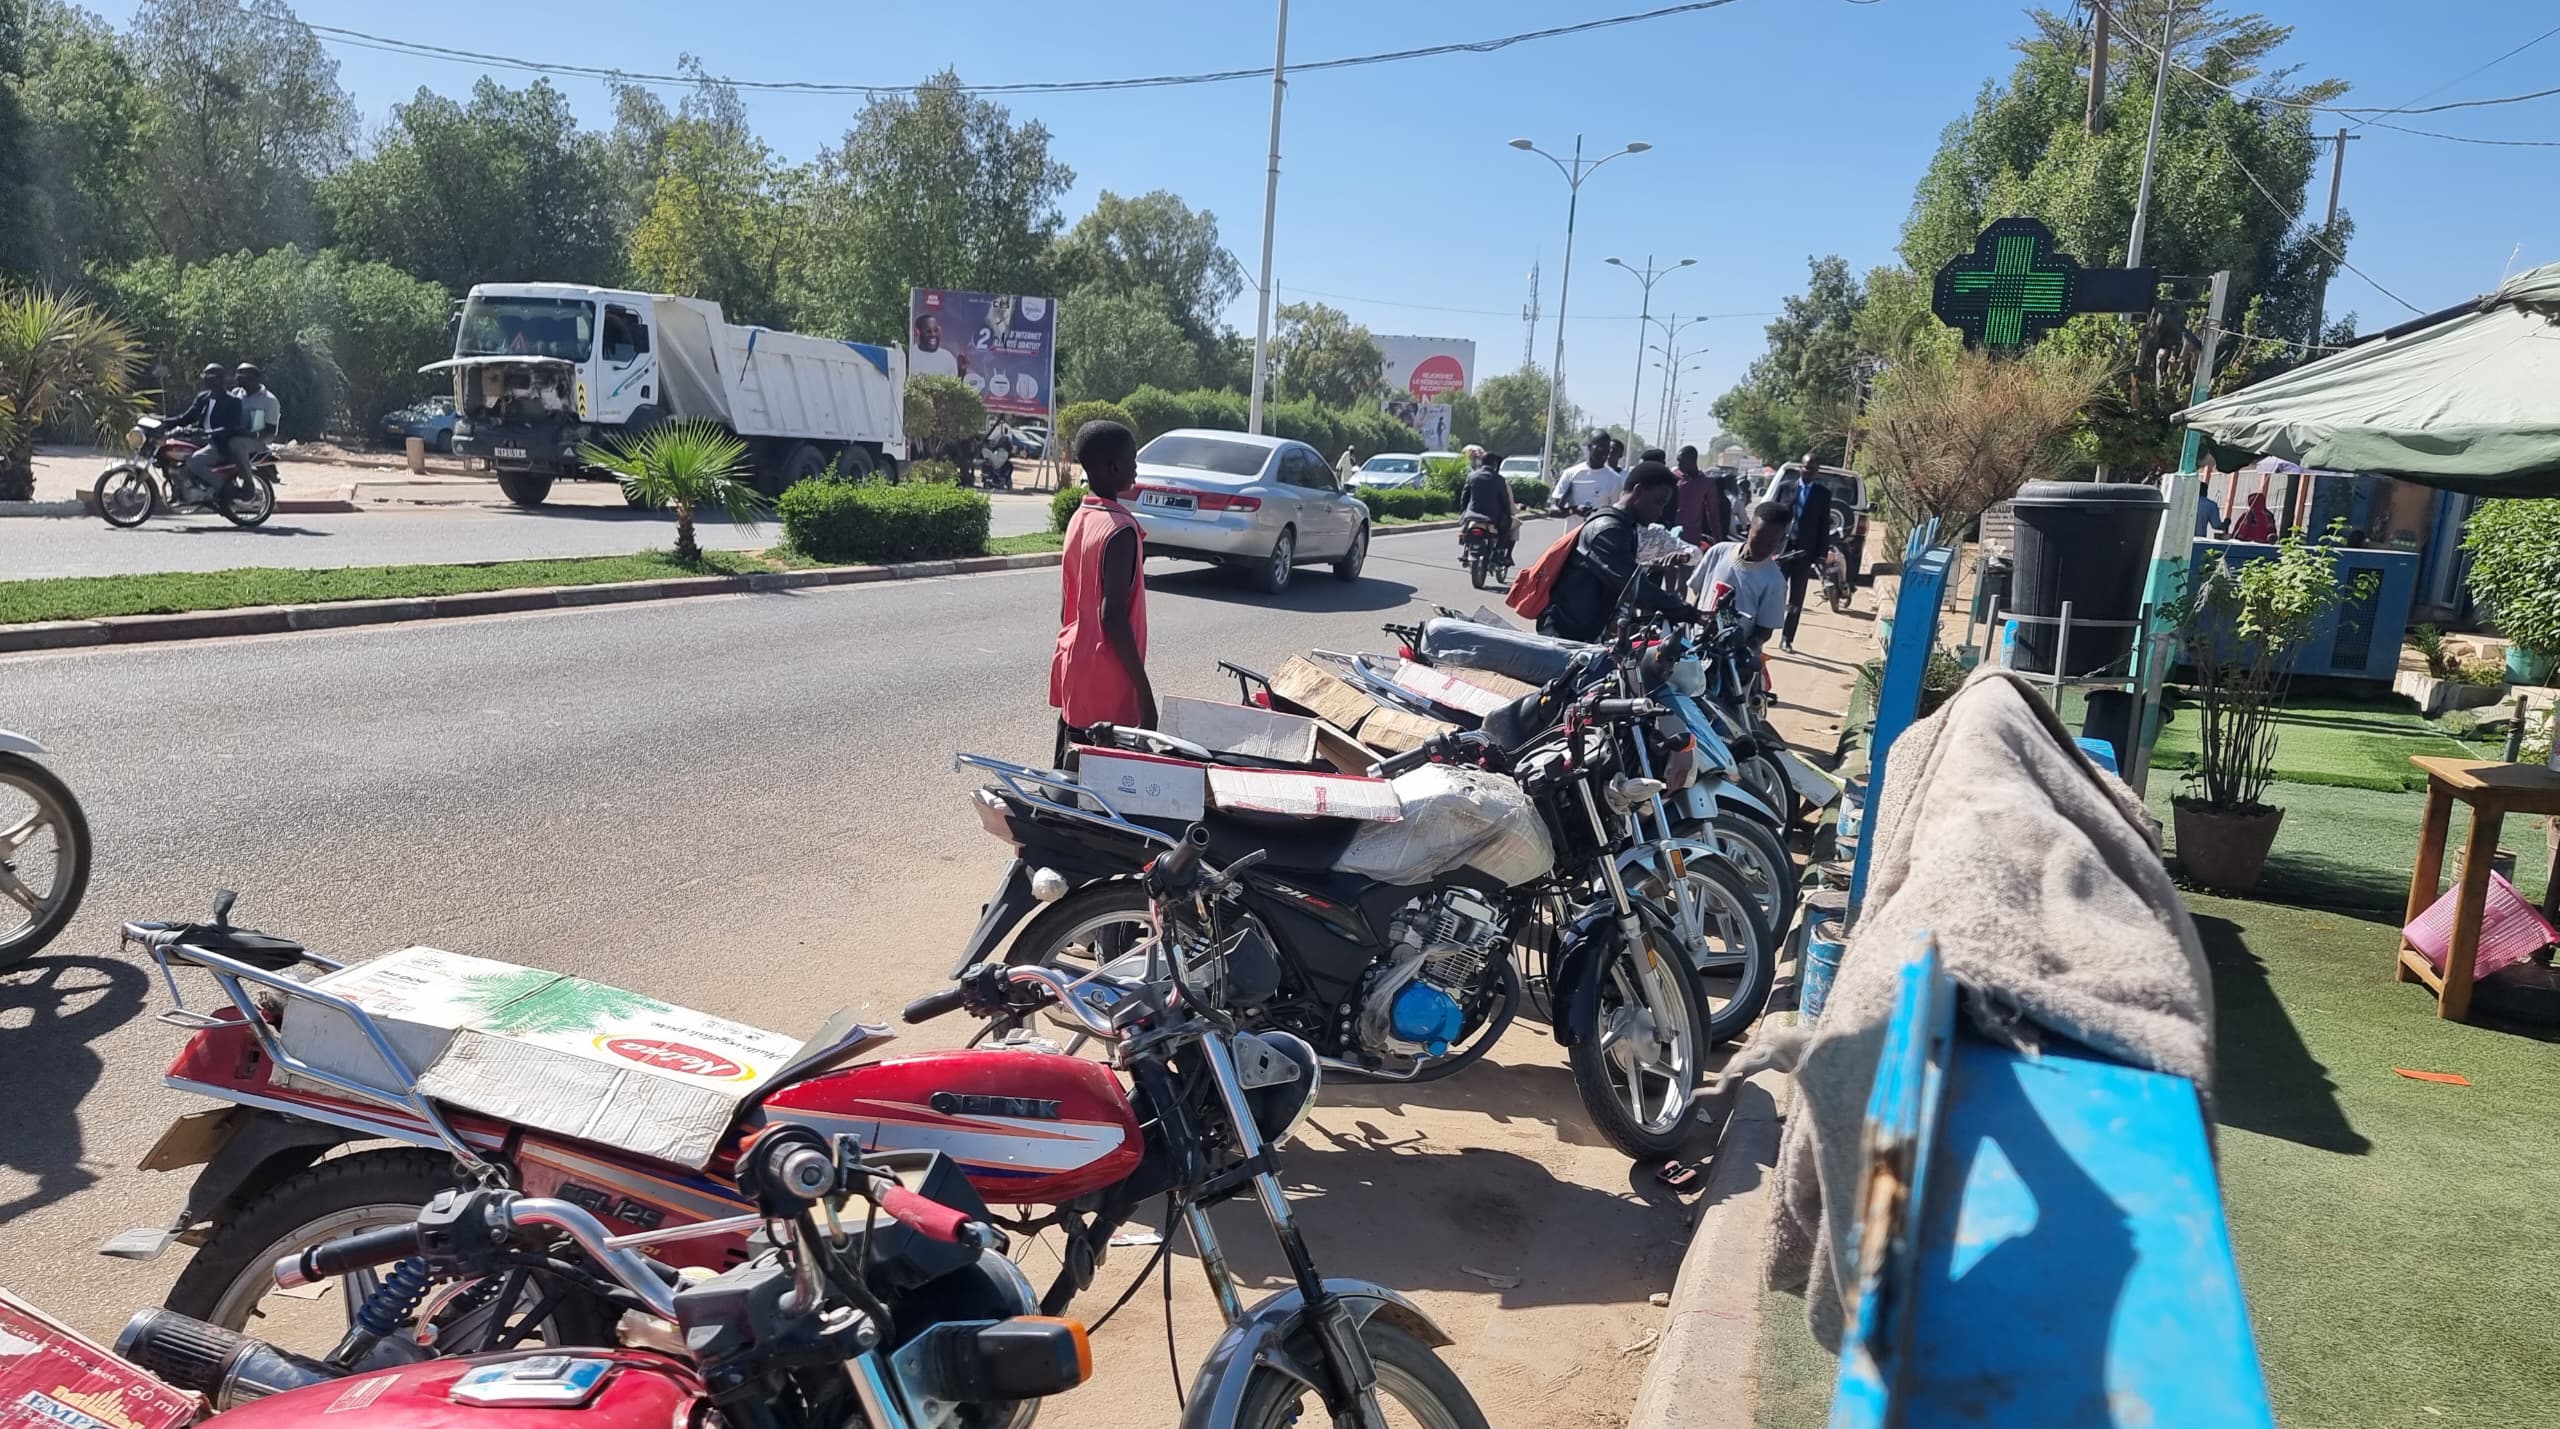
<point>1410,503</point>
<point>874,521</point>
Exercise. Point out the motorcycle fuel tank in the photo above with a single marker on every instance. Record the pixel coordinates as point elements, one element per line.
<point>1026,1127</point>
<point>584,1389</point>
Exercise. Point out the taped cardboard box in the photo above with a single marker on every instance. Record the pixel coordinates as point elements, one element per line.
<point>1395,731</point>
<point>1144,786</point>
<point>54,1378</point>
<point>1385,730</point>
<point>1304,793</point>
<point>545,1050</point>
<point>1257,733</point>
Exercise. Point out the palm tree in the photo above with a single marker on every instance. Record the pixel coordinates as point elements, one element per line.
<point>63,363</point>
<point>686,465</point>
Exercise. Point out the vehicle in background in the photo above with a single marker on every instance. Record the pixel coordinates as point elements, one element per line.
<point>1430,457</point>
<point>430,421</point>
<point>542,369</point>
<point>1848,508</point>
<point>1261,504</point>
<point>1523,468</point>
<point>1391,471</point>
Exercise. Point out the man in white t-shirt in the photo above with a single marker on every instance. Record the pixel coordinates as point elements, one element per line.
<point>1593,484</point>
<point>1758,588</point>
<point>927,355</point>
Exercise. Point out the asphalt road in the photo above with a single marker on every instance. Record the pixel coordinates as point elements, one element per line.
<point>384,536</point>
<point>744,804</point>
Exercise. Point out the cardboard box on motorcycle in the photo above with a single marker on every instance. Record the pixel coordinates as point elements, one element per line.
<point>542,1049</point>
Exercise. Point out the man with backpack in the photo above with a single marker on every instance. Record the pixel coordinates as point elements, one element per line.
<point>1573,591</point>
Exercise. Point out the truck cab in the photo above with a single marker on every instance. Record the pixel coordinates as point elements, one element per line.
<point>537,367</point>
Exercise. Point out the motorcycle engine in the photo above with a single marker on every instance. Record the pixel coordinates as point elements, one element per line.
<point>1436,947</point>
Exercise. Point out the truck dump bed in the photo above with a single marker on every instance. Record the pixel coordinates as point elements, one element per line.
<point>764,383</point>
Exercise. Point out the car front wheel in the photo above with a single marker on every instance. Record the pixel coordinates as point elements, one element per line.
<point>1272,576</point>
<point>1348,568</point>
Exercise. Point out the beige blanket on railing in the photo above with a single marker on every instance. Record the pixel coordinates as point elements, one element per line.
<point>2040,876</point>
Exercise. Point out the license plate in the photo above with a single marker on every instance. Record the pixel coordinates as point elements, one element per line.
<point>511,454</point>
<point>1166,501</point>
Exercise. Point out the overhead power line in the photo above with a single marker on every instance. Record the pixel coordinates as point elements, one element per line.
<point>364,40</point>
<point>2148,47</point>
<point>2293,216</point>
<point>1476,312</point>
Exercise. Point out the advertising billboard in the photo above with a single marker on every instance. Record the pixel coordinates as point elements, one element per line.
<point>1429,367</point>
<point>1001,344</point>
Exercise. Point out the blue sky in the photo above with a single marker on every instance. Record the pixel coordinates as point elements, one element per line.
<point>1781,129</point>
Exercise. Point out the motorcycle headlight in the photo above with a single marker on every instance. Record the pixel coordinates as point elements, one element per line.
<point>1281,1081</point>
<point>133,439</point>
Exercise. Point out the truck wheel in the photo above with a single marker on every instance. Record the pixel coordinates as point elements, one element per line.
<point>525,488</point>
<point>855,463</point>
<point>804,463</point>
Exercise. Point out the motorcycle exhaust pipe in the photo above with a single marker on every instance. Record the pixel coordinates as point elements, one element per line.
<point>225,1366</point>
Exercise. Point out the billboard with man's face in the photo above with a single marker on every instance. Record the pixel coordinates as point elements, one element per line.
<point>1003,345</point>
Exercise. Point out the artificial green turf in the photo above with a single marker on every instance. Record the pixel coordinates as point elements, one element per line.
<point>2393,1236</point>
<point>1794,1374</point>
<point>2362,744</point>
<point>2351,849</point>
<point>97,597</point>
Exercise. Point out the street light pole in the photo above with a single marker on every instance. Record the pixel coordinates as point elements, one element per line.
<point>1270,210</point>
<point>1574,174</point>
<point>1647,276</point>
<point>1671,330</point>
<point>2151,142</point>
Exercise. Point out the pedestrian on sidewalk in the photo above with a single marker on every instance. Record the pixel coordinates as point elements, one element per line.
<point>1698,507</point>
<point>1099,674</point>
<point>1808,541</point>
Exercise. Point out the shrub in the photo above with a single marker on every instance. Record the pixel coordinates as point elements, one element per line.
<point>873,521</point>
<point>933,471</point>
<point>1529,493</point>
<point>943,413</point>
<point>1446,474</point>
<point>1154,411</point>
<point>2515,569</point>
<point>686,465</point>
<point>1072,420</point>
<point>1408,503</point>
<point>1216,409</point>
<point>2428,641</point>
<point>1306,420</point>
<point>1062,507</point>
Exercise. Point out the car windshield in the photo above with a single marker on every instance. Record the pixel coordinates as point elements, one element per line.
<point>526,327</point>
<point>1393,465</point>
<point>1520,466</point>
<point>1205,454</point>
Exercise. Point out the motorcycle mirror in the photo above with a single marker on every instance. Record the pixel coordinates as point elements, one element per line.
<point>222,901</point>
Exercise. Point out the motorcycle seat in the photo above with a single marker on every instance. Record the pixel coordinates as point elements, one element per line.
<point>248,945</point>
<point>1521,655</point>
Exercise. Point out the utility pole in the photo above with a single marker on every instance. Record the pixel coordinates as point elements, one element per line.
<point>2151,144</point>
<point>2337,172</point>
<point>1647,275</point>
<point>1574,174</point>
<point>1270,210</point>
<point>1529,320</point>
<point>2100,17</point>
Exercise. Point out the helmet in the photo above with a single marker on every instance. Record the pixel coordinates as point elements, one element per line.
<point>211,369</point>
<point>247,370</point>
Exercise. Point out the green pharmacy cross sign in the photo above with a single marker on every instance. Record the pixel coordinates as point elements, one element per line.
<point>2013,288</point>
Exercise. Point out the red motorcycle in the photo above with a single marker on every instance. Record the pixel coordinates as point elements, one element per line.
<point>1024,1124</point>
<point>154,480</point>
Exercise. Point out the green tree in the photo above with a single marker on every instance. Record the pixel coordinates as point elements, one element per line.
<point>932,189</point>
<point>504,187</point>
<point>1318,352</point>
<point>1508,414</point>
<point>723,221</point>
<point>88,132</point>
<point>1112,341</point>
<point>689,466</point>
<point>64,364</point>
<point>942,413</point>
<point>1154,242</point>
<point>251,117</point>
<point>1795,396</point>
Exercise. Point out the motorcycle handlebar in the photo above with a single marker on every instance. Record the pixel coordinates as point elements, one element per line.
<point>1438,746</point>
<point>1624,709</point>
<point>932,1219</point>
<point>332,1258</point>
<point>935,1004</point>
<point>1176,867</point>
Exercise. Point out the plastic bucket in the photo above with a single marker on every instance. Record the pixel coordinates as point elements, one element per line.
<point>1822,945</point>
<point>2086,544</point>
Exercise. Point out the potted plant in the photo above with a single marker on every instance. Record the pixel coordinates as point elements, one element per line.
<point>2239,624</point>
<point>2515,575</point>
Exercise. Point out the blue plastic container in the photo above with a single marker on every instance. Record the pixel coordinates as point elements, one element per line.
<point>1822,945</point>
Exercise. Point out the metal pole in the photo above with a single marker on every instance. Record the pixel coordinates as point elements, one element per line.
<point>2098,65</point>
<point>1644,315</point>
<point>2151,144</point>
<point>2320,300</point>
<point>1669,356</point>
<point>1270,210</point>
<point>1564,296</point>
<point>2194,445</point>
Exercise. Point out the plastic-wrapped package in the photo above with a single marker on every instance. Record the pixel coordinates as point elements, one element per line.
<point>1454,817</point>
<point>1519,654</point>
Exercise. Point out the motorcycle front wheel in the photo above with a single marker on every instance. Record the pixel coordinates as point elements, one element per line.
<point>1640,1064</point>
<point>126,495</point>
<point>1733,954</point>
<point>246,501</point>
<point>1414,1387</point>
<point>44,857</point>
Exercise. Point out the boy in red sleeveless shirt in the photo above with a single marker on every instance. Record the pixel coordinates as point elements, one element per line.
<point>1099,674</point>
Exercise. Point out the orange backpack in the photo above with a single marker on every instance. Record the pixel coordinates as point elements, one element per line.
<point>1536,585</point>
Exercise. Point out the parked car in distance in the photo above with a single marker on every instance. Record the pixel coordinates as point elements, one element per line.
<point>1848,506</point>
<point>430,421</point>
<point>1523,468</point>
<point>1394,471</point>
<point>1260,504</point>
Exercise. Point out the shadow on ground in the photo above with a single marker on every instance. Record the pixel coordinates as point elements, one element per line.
<point>51,1009</point>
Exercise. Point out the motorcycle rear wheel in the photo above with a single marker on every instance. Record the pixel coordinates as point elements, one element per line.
<point>126,495</point>
<point>1476,572</point>
<point>1411,1376</point>
<point>246,501</point>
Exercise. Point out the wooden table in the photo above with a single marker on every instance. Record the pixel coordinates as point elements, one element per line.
<point>2493,790</point>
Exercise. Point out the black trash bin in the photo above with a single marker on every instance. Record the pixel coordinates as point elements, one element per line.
<point>2088,543</point>
<point>1992,591</point>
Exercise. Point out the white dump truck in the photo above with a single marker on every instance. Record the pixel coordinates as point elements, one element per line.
<point>541,369</point>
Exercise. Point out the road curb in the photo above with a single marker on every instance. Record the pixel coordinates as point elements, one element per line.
<point>345,614</point>
<point>1702,1369</point>
<point>43,508</point>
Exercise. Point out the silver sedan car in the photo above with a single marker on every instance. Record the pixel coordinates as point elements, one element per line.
<point>1263,504</point>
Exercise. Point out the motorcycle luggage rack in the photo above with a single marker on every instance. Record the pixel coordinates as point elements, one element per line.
<point>163,943</point>
<point>1036,786</point>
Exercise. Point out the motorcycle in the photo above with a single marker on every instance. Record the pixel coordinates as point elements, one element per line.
<point>995,460</point>
<point>1482,551</point>
<point>1022,1124</point>
<point>1394,943</point>
<point>906,1317</point>
<point>44,851</point>
<point>155,481</point>
<point>1837,588</point>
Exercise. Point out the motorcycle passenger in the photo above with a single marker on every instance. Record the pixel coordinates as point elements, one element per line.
<point>259,405</point>
<point>1749,569</point>
<point>1099,673</point>
<point>218,414</point>
<point>1602,566</point>
<point>1488,495</point>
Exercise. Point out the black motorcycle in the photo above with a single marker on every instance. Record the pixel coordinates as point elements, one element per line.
<point>1483,552</point>
<point>1392,944</point>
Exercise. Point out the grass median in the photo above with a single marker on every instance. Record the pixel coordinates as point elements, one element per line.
<point>165,593</point>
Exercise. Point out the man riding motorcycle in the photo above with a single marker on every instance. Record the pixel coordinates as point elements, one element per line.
<point>1488,495</point>
<point>221,414</point>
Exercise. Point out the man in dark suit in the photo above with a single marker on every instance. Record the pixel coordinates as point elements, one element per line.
<point>1808,541</point>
